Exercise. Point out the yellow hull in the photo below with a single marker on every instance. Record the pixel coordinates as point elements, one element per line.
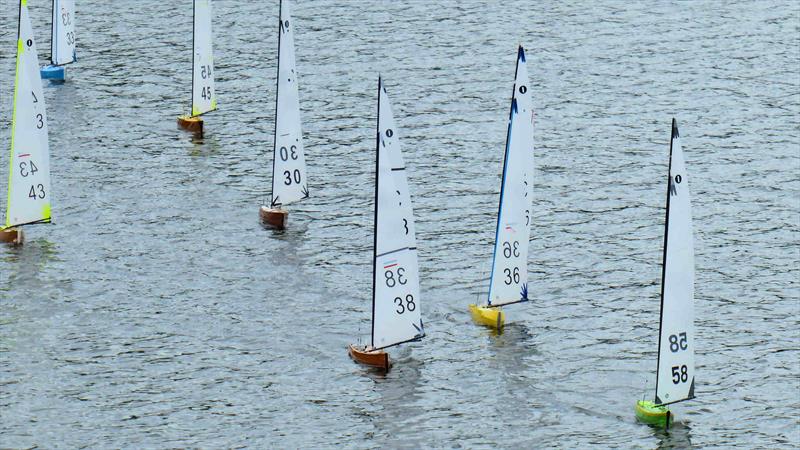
<point>652,414</point>
<point>490,317</point>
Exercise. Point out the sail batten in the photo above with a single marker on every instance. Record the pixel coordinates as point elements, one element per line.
<point>509,276</point>
<point>289,183</point>
<point>396,314</point>
<point>675,367</point>
<point>28,199</point>
<point>204,93</point>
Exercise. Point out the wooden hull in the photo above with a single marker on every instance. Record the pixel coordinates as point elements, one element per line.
<point>275,218</point>
<point>13,236</point>
<point>193,124</point>
<point>490,317</point>
<point>652,414</point>
<point>373,358</point>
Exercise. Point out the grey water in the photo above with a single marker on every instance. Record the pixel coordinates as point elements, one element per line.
<point>157,312</point>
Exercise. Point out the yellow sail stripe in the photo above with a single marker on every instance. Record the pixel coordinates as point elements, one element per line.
<point>20,49</point>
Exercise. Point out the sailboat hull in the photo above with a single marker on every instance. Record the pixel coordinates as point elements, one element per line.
<point>275,218</point>
<point>652,414</point>
<point>193,124</point>
<point>51,72</point>
<point>12,236</point>
<point>373,358</point>
<point>490,317</point>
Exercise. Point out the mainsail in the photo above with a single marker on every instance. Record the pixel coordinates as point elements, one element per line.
<point>62,44</point>
<point>396,314</point>
<point>204,94</point>
<point>29,171</point>
<point>509,279</point>
<point>289,182</point>
<point>675,377</point>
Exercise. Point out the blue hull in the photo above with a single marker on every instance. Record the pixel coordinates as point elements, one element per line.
<point>56,73</point>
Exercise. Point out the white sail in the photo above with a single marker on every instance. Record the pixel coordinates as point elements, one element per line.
<point>289,182</point>
<point>204,93</point>
<point>396,296</point>
<point>390,142</point>
<point>29,171</point>
<point>62,46</point>
<point>509,279</point>
<point>675,380</point>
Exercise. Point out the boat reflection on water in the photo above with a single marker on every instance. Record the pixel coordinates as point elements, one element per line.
<point>400,400</point>
<point>678,436</point>
<point>24,264</point>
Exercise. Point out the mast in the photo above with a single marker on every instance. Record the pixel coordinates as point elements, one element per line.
<point>277,88</point>
<point>503,181</point>
<point>53,34</point>
<point>375,228</point>
<point>502,190</point>
<point>194,31</point>
<point>673,134</point>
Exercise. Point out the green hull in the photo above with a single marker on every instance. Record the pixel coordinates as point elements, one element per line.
<point>652,414</point>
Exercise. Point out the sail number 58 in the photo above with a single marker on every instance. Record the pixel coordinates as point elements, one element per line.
<point>676,344</point>
<point>680,374</point>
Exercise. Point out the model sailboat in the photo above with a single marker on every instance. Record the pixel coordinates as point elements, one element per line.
<point>204,94</point>
<point>62,41</point>
<point>509,279</point>
<point>29,168</point>
<point>396,317</point>
<point>675,369</point>
<point>289,182</point>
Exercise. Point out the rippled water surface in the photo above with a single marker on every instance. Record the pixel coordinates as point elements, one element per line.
<point>158,312</point>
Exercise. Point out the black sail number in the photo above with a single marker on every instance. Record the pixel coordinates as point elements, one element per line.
<point>512,275</point>
<point>511,248</point>
<point>205,71</point>
<point>678,342</point>
<point>391,281</point>
<point>37,192</point>
<point>206,93</point>
<point>408,306</point>
<point>680,374</point>
<point>291,176</point>
<point>27,168</point>
<point>39,121</point>
<point>286,153</point>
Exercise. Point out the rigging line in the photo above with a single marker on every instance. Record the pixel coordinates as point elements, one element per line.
<point>277,93</point>
<point>414,339</point>
<point>664,261</point>
<point>375,227</point>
